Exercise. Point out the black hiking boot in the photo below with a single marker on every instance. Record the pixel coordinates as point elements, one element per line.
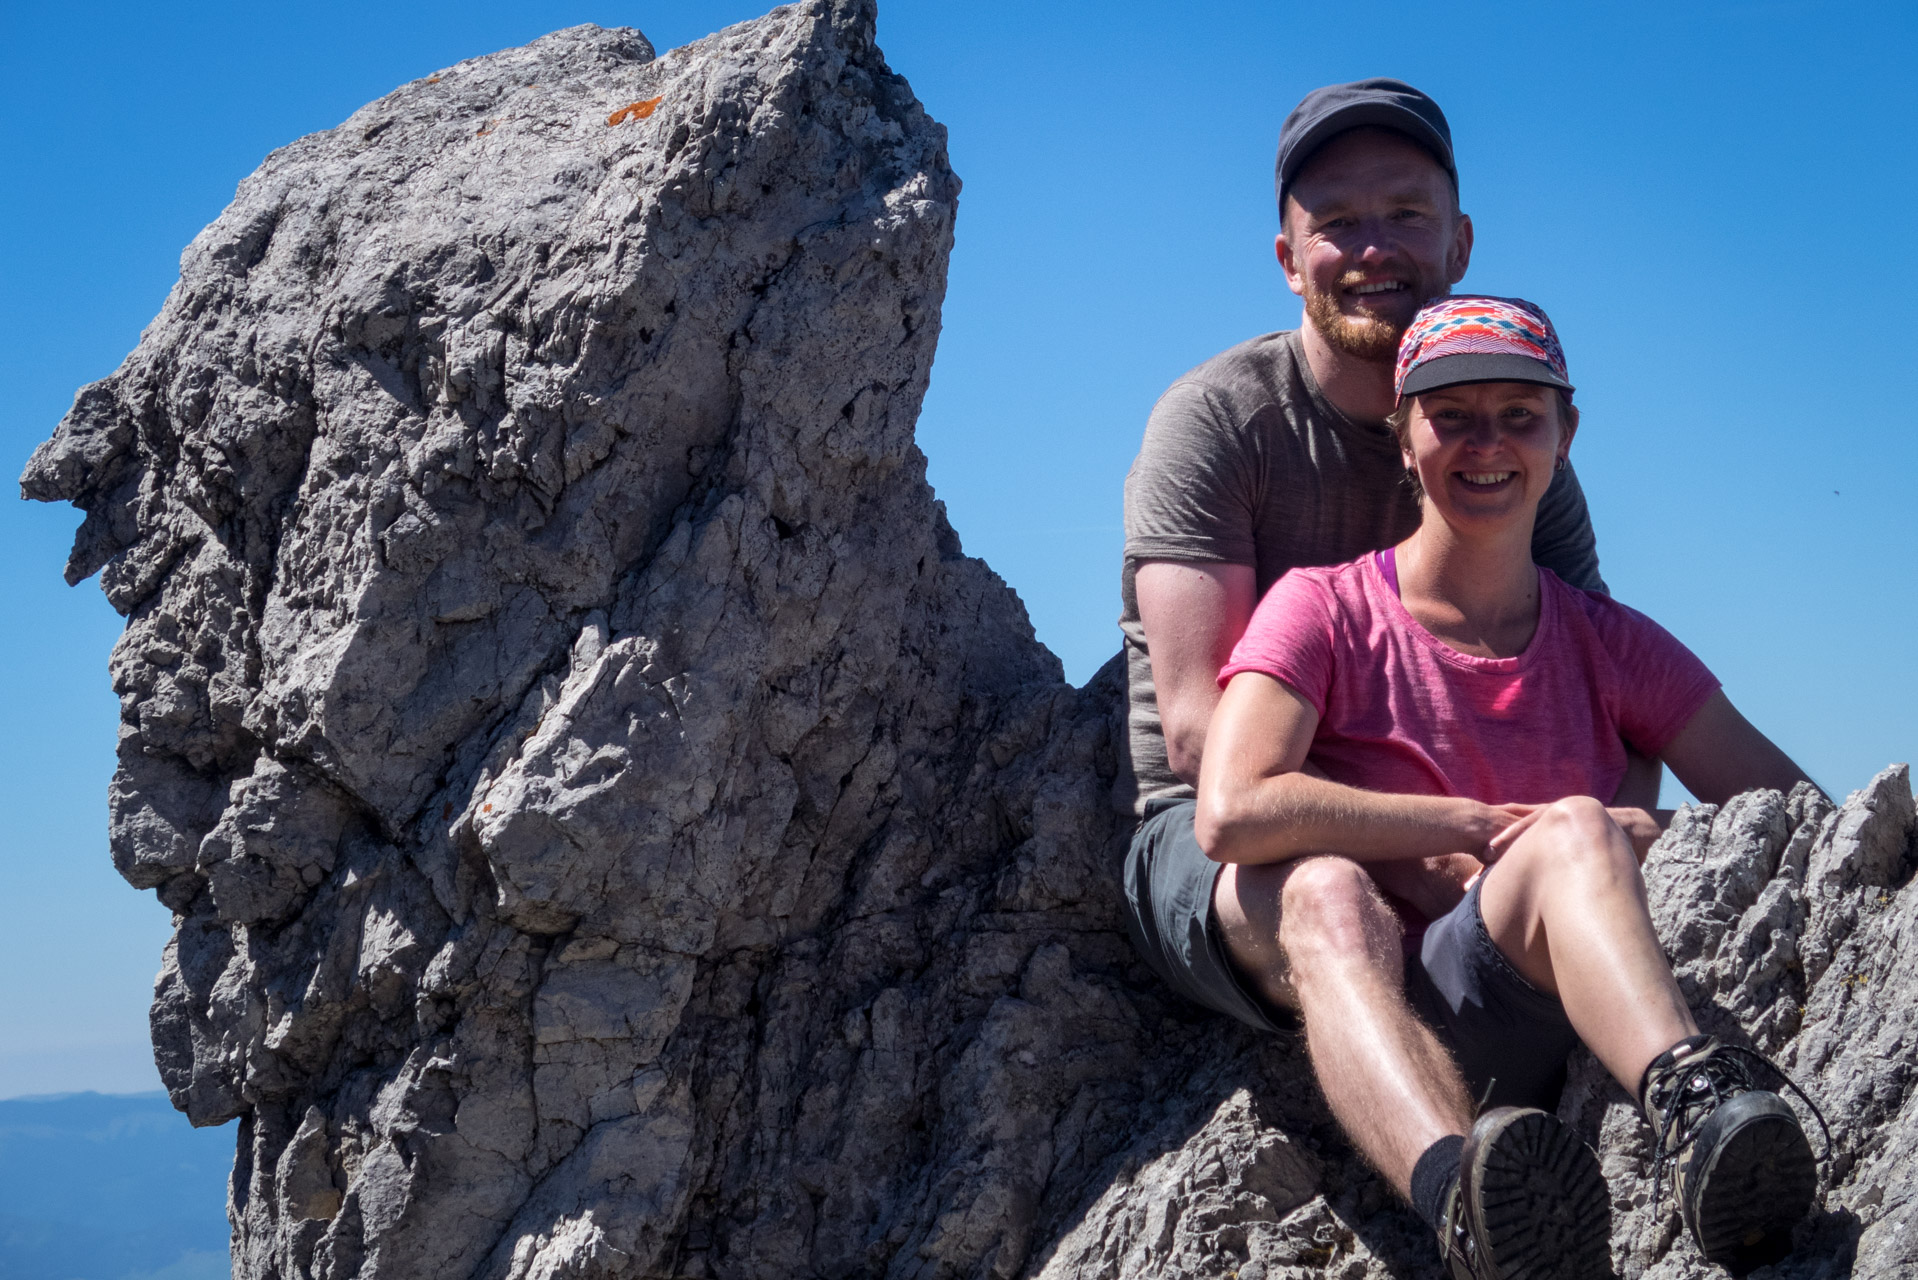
<point>1529,1204</point>
<point>1742,1170</point>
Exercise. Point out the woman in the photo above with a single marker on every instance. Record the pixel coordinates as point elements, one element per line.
<point>1444,713</point>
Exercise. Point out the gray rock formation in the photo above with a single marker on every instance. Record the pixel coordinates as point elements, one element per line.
<point>611,828</point>
<point>1791,926</point>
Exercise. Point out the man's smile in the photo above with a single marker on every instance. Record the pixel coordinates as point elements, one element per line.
<point>1485,479</point>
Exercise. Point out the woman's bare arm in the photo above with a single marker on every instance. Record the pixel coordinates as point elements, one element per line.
<point>1255,804</point>
<point>1719,754</point>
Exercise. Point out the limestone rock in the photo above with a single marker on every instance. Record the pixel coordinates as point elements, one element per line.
<point>613,830</point>
<point>1787,920</point>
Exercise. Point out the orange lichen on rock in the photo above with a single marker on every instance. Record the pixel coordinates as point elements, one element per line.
<point>635,110</point>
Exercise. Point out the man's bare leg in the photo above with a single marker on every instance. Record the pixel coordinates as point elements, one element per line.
<point>1566,904</point>
<point>1317,937</point>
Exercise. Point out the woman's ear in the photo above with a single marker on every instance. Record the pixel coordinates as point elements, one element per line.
<point>1568,415</point>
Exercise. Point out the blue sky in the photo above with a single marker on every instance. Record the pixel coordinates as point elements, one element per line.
<point>1715,202</point>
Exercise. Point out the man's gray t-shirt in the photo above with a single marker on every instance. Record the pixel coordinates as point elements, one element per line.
<point>1246,462</point>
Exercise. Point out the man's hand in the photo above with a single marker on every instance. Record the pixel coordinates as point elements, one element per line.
<point>1641,826</point>
<point>1523,816</point>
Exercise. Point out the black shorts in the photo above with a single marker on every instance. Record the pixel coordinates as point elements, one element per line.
<point>1501,1030</point>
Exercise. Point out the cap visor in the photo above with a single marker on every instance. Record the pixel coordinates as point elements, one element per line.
<point>1449,371</point>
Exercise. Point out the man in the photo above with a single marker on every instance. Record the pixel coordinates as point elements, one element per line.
<point>1275,455</point>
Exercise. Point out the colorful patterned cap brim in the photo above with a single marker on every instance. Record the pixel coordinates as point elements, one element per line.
<point>1450,371</point>
<point>1478,339</point>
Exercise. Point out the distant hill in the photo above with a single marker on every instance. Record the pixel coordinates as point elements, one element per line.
<point>110,1187</point>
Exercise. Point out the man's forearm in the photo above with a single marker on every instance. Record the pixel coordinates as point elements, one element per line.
<point>1276,818</point>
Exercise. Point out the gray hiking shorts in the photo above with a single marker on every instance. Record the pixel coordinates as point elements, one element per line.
<point>1502,1031</point>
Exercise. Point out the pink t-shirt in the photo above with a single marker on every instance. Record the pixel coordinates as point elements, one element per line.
<point>1400,711</point>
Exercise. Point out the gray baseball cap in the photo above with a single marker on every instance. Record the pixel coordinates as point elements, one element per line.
<point>1391,104</point>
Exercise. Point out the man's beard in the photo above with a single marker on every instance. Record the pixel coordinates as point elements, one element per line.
<point>1366,337</point>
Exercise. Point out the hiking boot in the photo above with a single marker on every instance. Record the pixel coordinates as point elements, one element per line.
<point>1742,1170</point>
<point>1529,1204</point>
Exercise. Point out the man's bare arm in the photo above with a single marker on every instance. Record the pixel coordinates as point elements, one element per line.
<point>1256,805</point>
<point>1638,789</point>
<point>1635,807</point>
<point>1192,613</point>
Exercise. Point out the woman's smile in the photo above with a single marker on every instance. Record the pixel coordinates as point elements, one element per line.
<point>1485,451</point>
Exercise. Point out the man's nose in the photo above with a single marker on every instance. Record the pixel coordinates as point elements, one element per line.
<point>1376,241</point>
<point>1374,247</point>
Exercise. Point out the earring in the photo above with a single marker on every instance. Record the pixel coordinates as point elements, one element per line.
<point>1560,464</point>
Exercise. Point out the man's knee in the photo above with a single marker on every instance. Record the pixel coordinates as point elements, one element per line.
<point>1331,906</point>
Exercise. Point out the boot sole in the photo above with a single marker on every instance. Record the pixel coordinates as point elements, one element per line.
<point>1758,1182</point>
<point>1540,1200</point>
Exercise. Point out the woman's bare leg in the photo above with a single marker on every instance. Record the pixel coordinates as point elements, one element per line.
<point>1566,905</point>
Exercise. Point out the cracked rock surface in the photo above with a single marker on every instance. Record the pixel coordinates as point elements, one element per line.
<point>613,830</point>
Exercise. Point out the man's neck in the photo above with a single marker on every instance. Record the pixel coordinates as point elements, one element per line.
<point>1359,389</point>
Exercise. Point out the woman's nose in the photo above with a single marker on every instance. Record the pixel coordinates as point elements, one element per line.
<point>1483,434</point>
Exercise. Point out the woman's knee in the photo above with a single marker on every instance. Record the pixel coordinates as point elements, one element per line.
<point>1580,812</point>
<point>1576,837</point>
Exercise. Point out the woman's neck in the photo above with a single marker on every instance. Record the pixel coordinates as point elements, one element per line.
<point>1478,594</point>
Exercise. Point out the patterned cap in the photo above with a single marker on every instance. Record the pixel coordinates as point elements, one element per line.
<point>1478,339</point>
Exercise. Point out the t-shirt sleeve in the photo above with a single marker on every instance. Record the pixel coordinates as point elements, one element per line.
<point>1562,538</point>
<point>1290,638</point>
<point>1662,684</point>
<point>1191,492</point>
